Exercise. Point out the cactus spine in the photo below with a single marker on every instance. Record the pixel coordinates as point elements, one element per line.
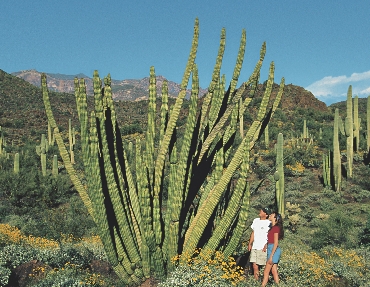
<point>279,175</point>
<point>127,207</point>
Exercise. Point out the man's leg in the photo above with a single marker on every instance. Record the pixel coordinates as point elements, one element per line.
<point>255,270</point>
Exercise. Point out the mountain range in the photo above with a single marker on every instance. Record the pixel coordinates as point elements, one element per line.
<point>129,90</point>
<point>137,89</point>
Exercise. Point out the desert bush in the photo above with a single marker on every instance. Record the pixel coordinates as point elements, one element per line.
<point>336,231</point>
<point>365,233</point>
<point>69,257</point>
<point>326,205</point>
<point>70,275</point>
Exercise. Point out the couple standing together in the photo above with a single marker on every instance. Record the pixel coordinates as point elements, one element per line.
<point>264,244</point>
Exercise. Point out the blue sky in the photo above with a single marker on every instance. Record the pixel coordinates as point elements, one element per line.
<point>323,46</point>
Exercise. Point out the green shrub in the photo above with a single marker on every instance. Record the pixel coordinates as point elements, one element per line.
<point>335,231</point>
<point>326,205</point>
<point>365,233</point>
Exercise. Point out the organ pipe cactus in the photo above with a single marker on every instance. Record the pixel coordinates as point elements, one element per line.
<point>51,139</point>
<point>141,231</point>
<point>279,175</point>
<point>72,141</point>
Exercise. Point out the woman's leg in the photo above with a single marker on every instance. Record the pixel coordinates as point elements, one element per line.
<point>266,274</point>
<point>275,274</point>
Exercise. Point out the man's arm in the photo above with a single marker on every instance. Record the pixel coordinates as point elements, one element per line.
<point>251,239</point>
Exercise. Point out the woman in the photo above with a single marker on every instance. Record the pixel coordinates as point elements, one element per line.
<point>275,234</point>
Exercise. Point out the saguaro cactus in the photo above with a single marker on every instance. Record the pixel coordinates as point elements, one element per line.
<point>326,166</point>
<point>305,133</point>
<point>337,167</point>
<point>349,132</point>
<point>41,150</point>
<point>267,137</point>
<point>279,175</point>
<point>368,124</point>
<point>55,165</point>
<point>16,163</point>
<point>1,141</point>
<point>356,125</point>
<point>128,206</point>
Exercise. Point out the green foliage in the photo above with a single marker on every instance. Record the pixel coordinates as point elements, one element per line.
<point>365,233</point>
<point>133,128</point>
<point>338,230</point>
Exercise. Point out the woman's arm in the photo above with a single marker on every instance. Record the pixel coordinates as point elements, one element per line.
<point>276,244</point>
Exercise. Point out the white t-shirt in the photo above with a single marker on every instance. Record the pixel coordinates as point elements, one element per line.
<point>260,228</point>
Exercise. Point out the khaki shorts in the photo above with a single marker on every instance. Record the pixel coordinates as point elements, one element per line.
<point>258,256</point>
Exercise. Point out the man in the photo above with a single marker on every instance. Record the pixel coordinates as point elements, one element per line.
<point>258,240</point>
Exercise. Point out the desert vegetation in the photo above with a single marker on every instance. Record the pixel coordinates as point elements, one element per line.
<point>163,191</point>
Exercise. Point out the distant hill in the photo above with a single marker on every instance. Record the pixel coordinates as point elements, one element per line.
<point>128,90</point>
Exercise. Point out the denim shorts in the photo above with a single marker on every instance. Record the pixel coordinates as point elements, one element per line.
<point>277,254</point>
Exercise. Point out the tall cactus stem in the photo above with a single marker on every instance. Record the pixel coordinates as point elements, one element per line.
<point>349,132</point>
<point>337,172</point>
<point>356,125</point>
<point>279,175</point>
<point>16,162</point>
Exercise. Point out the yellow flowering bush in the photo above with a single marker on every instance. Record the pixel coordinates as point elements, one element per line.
<point>199,269</point>
<point>12,235</point>
<point>332,266</point>
<point>296,169</point>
